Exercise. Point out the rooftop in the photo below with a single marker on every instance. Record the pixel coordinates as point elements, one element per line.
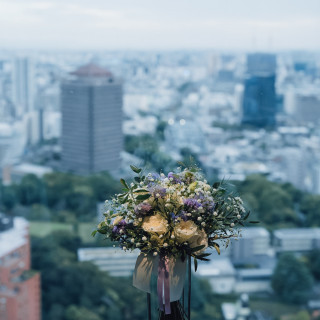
<point>300,233</point>
<point>255,232</point>
<point>15,237</point>
<point>217,267</point>
<point>92,70</point>
<point>26,168</point>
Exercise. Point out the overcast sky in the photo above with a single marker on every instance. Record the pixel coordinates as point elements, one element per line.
<point>160,24</point>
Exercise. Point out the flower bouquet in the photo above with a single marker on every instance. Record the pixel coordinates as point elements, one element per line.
<point>168,218</point>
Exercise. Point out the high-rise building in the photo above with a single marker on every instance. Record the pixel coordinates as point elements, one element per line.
<point>23,97</point>
<point>23,90</point>
<point>259,99</point>
<point>92,138</point>
<point>20,291</point>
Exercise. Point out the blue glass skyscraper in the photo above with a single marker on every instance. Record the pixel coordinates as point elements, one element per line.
<point>259,100</point>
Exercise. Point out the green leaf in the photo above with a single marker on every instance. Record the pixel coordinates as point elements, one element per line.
<point>125,199</point>
<point>203,259</point>
<point>254,221</point>
<point>216,246</point>
<point>123,182</point>
<point>216,185</point>
<point>247,215</point>
<point>122,195</point>
<point>195,264</point>
<point>94,233</point>
<point>135,169</point>
<point>195,249</point>
<point>143,196</point>
<point>138,179</point>
<point>140,190</point>
<point>203,255</point>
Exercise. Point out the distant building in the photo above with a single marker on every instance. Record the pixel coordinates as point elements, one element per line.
<point>92,138</point>
<point>237,311</point>
<point>296,239</point>
<point>220,273</point>
<point>114,260</point>
<point>20,292</point>
<point>255,241</point>
<point>253,280</point>
<point>23,97</point>
<point>23,89</point>
<point>259,98</point>
<point>17,172</point>
<point>307,108</point>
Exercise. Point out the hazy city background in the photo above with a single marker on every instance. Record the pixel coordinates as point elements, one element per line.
<point>86,89</point>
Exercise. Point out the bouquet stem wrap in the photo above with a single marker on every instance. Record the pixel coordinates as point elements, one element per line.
<point>170,273</point>
<point>163,287</point>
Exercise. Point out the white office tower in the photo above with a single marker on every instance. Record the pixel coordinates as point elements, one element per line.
<point>23,85</point>
<point>23,97</point>
<point>91,104</point>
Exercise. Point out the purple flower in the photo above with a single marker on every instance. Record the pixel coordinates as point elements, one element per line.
<point>181,215</point>
<point>142,208</point>
<point>159,192</point>
<point>120,227</point>
<point>191,204</point>
<point>174,177</point>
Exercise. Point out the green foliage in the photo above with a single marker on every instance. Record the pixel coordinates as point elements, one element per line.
<point>30,190</point>
<point>291,280</point>
<point>272,204</point>
<point>146,147</point>
<point>39,212</point>
<point>310,206</point>
<point>60,197</point>
<point>8,197</point>
<point>80,313</point>
<point>79,290</point>
<point>313,263</point>
<point>301,315</point>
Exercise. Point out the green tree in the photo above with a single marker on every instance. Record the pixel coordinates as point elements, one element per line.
<point>273,203</point>
<point>39,212</point>
<point>301,315</point>
<point>291,280</point>
<point>30,190</point>
<point>80,313</point>
<point>8,197</point>
<point>103,186</point>
<point>310,206</point>
<point>313,263</point>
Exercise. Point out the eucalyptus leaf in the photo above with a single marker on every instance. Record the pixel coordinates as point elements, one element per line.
<point>135,169</point>
<point>123,182</point>
<point>246,216</point>
<point>94,233</point>
<point>216,246</point>
<point>195,264</point>
<point>143,196</point>
<point>195,249</point>
<point>140,190</point>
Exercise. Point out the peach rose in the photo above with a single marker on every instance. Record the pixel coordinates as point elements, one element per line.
<point>155,224</point>
<point>185,230</point>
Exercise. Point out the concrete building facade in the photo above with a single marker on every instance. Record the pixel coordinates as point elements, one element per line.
<point>20,291</point>
<point>92,138</point>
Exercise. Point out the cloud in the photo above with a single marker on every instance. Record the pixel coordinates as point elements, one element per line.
<point>149,24</point>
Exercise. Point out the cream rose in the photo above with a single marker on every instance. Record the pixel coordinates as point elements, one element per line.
<point>199,239</point>
<point>117,220</point>
<point>155,224</point>
<point>185,230</point>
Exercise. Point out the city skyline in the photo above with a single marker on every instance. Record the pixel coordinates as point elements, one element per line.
<point>146,25</point>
